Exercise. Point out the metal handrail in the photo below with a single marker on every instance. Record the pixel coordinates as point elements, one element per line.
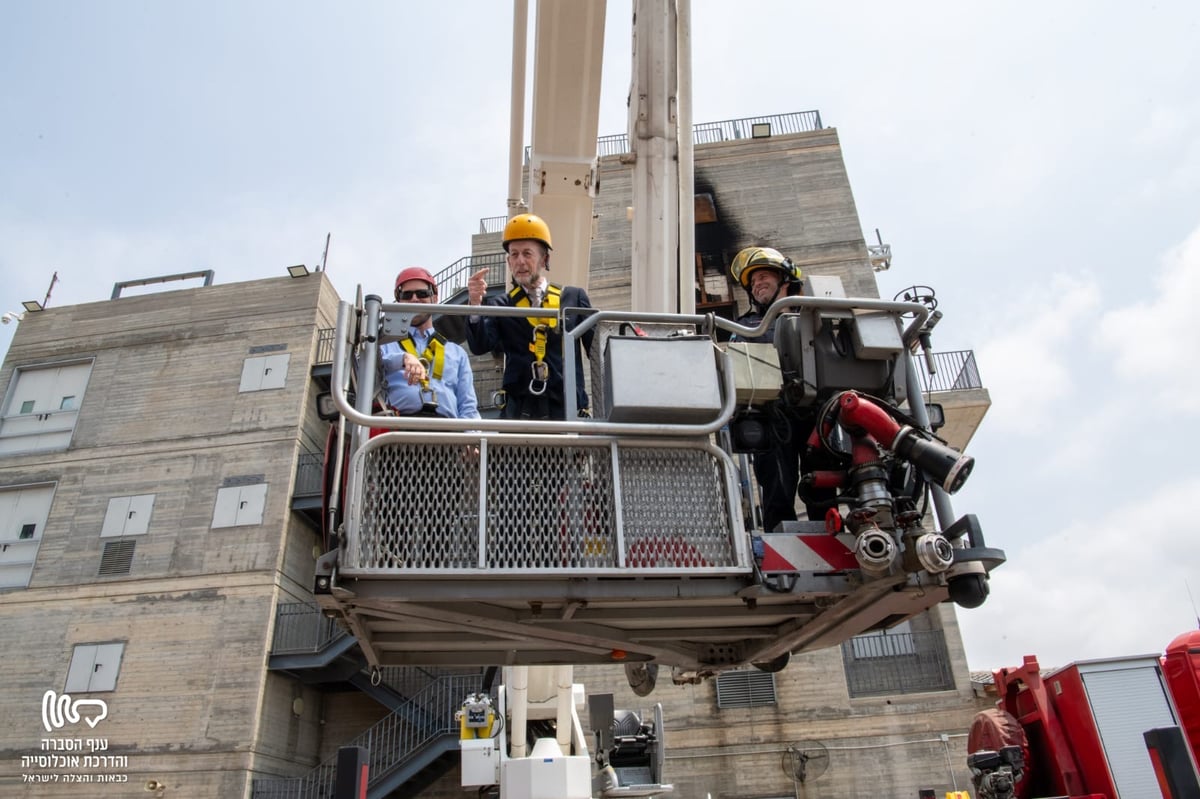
<point>366,369</point>
<point>389,742</point>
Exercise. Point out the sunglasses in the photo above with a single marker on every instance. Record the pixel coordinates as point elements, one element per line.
<point>420,294</point>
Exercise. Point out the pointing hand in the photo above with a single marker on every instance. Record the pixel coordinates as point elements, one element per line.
<point>477,287</point>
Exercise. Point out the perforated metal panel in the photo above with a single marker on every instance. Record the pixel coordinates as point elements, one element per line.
<point>551,504</point>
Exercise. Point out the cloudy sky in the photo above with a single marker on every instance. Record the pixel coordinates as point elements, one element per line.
<point>1037,164</point>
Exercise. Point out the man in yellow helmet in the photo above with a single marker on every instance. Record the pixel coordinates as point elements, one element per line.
<point>532,346</point>
<point>767,275</point>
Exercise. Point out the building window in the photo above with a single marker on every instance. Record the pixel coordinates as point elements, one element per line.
<point>897,661</point>
<point>264,372</point>
<point>238,506</point>
<point>745,688</point>
<point>94,667</point>
<point>41,407</point>
<point>23,514</point>
<point>127,515</point>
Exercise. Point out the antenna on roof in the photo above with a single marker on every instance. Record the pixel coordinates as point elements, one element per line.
<point>1197,612</point>
<point>880,254</point>
<point>325,254</point>
<point>53,280</point>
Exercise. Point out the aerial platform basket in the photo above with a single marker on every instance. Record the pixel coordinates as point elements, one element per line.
<point>493,542</point>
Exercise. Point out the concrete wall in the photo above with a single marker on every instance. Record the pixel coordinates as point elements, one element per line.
<point>193,706</point>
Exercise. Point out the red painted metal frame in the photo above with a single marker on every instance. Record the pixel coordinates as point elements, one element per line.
<point>1181,670</point>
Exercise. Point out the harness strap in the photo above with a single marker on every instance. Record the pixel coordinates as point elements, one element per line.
<point>433,356</point>
<point>541,330</point>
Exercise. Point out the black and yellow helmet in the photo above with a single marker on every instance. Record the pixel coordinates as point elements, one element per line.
<point>752,258</point>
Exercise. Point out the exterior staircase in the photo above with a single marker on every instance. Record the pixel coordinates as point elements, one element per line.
<point>411,747</point>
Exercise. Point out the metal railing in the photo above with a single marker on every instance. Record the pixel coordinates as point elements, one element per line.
<point>953,371</point>
<point>425,718</point>
<point>324,346</point>
<point>714,132</point>
<point>726,130</point>
<point>301,628</point>
<point>453,278</point>
<point>897,663</point>
<point>492,224</point>
<point>310,469</point>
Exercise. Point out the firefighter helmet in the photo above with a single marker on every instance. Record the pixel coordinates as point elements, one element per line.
<point>752,258</point>
<point>526,226</point>
<point>414,273</point>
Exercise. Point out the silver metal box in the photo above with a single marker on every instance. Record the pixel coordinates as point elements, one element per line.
<point>661,380</point>
<point>876,336</point>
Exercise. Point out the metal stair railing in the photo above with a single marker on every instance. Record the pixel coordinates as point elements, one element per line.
<point>390,743</point>
<point>453,278</point>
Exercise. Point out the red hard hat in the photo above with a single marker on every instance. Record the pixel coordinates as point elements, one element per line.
<point>415,273</point>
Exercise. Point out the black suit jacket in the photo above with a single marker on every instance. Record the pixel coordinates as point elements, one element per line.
<point>512,336</point>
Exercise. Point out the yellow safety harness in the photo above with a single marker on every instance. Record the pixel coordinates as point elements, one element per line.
<point>433,358</point>
<point>541,328</point>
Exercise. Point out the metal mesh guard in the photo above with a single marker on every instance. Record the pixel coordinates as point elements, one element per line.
<point>549,509</point>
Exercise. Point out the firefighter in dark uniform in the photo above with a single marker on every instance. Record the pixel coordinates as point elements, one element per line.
<point>532,346</point>
<point>767,275</point>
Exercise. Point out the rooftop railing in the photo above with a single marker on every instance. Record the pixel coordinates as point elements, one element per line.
<point>726,130</point>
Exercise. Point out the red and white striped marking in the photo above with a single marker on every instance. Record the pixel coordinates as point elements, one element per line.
<point>808,552</point>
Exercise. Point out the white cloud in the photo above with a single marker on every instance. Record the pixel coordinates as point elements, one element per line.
<point>1027,352</point>
<point>1154,343</point>
<point>1113,582</point>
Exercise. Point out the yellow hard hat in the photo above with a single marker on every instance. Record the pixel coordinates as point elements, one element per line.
<point>526,226</point>
<point>752,258</point>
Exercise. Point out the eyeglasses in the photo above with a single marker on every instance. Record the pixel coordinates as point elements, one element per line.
<point>420,294</point>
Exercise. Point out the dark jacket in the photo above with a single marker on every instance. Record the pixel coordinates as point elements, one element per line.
<point>513,335</point>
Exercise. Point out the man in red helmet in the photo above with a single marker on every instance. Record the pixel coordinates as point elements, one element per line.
<point>423,373</point>
<point>532,346</point>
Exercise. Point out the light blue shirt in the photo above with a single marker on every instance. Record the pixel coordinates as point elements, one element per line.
<point>455,389</point>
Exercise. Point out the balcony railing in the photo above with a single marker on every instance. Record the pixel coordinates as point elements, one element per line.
<point>952,371</point>
<point>310,469</point>
<point>301,628</point>
<point>897,663</point>
<point>324,346</point>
